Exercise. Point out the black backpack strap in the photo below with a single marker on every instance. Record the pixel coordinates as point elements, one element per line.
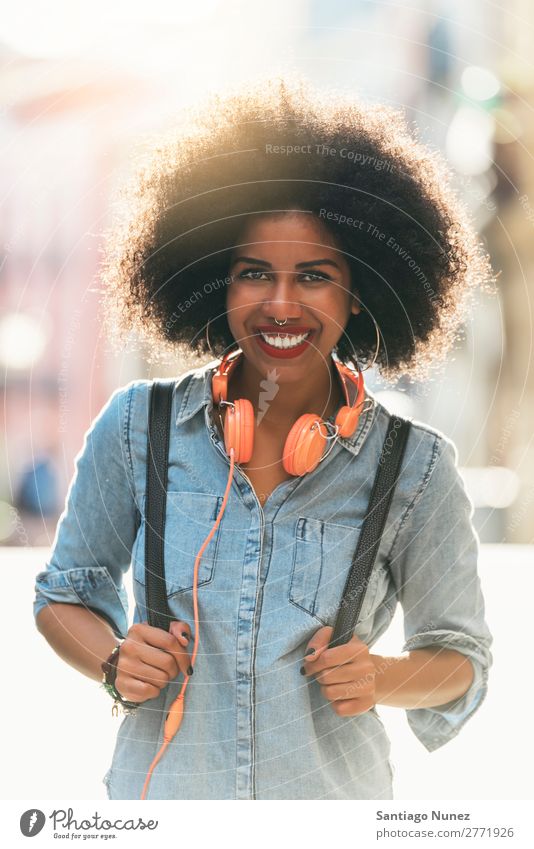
<point>158,433</point>
<point>373,526</point>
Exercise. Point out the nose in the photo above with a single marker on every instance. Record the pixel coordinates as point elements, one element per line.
<point>283,302</point>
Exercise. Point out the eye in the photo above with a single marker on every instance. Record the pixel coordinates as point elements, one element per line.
<point>305,276</point>
<point>252,274</point>
<point>315,276</point>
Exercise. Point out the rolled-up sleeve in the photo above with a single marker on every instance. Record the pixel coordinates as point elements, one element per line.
<point>434,566</point>
<point>92,546</point>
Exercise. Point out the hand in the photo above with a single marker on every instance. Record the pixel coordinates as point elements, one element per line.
<point>149,658</point>
<point>345,673</point>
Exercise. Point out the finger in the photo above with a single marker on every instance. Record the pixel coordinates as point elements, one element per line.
<point>353,670</point>
<point>182,658</point>
<point>163,640</point>
<point>168,641</point>
<point>144,672</point>
<point>171,660</point>
<point>362,688</point>
<point>318,643</point>
<point>143,633</point>
<point>343,673</point>
<point>163,661</point>
<point>328,659</point>
<point>182,632</point>
<point>352,707</point>
<point>134,690</point>
<point>337,656</point>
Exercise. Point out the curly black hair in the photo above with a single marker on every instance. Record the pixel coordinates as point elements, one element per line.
<point>388,200</point>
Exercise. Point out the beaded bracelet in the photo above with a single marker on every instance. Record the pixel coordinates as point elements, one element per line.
<point>109,669</point>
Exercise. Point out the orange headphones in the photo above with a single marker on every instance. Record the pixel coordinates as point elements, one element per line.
<point>306,440</point>
<point>303,451</point>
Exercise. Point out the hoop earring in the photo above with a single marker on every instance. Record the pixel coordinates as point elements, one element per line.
<point>208,339</point>
<point>355,358</point>
<point>217,356</point>
<point>377,340</point>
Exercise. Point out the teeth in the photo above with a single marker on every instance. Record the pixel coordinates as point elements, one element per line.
<point>285,341</point>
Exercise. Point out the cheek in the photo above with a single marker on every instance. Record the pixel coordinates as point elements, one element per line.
<point>239,305</point>
<point>236,323</point>
<point>334,312</point>
<point>235,298</point>
<point>234,307</point>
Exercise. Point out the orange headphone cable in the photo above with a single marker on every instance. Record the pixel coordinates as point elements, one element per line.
<point>176,710</point>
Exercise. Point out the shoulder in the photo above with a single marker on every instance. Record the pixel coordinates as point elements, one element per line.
<point>430,463</point>
<point>140,387</point>
<point>134,397</point>
<point>424,441</point>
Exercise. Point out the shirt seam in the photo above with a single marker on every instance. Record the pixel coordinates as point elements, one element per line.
<point>411,506</point>
<point>127,441</point>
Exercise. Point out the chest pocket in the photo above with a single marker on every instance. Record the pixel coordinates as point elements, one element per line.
<point>189,518</point>
<point>323,554</point>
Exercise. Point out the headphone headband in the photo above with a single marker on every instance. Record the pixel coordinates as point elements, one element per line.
<point>353,386</point>
<point>305,442</point>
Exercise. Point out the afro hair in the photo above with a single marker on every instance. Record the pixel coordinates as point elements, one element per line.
<point>413,253</point>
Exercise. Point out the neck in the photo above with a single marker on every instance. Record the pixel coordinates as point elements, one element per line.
<point>281,404</point>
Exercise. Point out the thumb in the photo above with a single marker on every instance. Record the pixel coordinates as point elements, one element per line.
<point>178,629</point>
<point>319,642</point>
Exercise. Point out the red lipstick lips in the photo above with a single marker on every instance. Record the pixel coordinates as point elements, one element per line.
<point>277,330</point>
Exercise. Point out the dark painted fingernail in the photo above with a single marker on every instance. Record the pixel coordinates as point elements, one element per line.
<point>302,671</point>
<point>190,670</point>
<point>310,651</point>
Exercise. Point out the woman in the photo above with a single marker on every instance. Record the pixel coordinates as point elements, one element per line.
<point>300,233</point>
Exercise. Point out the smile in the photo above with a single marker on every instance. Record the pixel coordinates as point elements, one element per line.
<point>284,344</point>
<point>288,340</point>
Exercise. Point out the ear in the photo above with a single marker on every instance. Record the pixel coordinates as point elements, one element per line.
<point>355,307</point>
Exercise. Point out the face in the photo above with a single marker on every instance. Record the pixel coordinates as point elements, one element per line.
<point>288,266</point>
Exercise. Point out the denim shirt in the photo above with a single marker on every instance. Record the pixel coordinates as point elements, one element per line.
<point>254,728</point>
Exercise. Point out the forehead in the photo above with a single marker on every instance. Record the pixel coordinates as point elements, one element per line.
<point>287,231</point>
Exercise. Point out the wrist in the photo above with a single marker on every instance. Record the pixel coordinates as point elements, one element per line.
<point>378,660</point>
<point>383,665</point>
<point>109,675</point>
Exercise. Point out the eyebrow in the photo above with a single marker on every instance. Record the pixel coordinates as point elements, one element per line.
<point>266,264</point>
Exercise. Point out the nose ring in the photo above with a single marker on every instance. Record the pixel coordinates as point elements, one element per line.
<point>280,323</point>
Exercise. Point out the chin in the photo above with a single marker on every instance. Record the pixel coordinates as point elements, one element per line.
<point>289,370</point>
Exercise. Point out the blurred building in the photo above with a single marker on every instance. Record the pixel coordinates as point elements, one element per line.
<point>462,73</point>
<point>64,130</point>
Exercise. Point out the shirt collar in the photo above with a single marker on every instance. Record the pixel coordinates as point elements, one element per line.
<point>198,394</point>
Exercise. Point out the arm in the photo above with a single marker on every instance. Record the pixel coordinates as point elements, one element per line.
<point>80,637</point>
<point>81,605</point>
<point>149,657</point>
<point>433,563</point>
<point>425,678</point>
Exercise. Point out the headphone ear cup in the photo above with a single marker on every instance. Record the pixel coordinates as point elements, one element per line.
<point>239,430</point>
<point>304,445</point>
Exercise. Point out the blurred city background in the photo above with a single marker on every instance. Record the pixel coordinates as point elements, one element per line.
<point>82,88</point>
